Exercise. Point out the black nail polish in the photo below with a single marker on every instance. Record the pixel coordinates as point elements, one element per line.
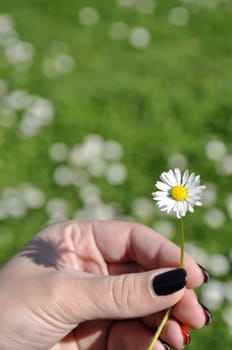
<point>205,273</point>
<point>169,282</point>
<point>166,346</point>
<point>208,315</point>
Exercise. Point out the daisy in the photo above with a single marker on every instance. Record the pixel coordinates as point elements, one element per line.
<point>177,193</point>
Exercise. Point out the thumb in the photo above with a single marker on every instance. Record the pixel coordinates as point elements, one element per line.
<point>128,295</point>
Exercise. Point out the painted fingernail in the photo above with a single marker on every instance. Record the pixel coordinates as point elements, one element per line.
<point>186,334</point>
<point>205,273</point>
<point>166,346</point>
<point>169,282</point>
<point>208,315</point>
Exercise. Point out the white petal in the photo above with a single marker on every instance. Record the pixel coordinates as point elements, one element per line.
<point>190,181</point>
<point>169,178</point>
<point>185,177</point>
<point>164,201</point>
<point>190,208</point>
<point>162,186</point>
<point>171,207</point>
<point>177,176</point>
<point>181,207</point>
<point>160,194</point>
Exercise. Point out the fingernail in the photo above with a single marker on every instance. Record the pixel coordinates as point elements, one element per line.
<point>205,273</point>
<point>166,346</point>
<point>208,315</point>
<point>169,282</point>
<point>186,334</point>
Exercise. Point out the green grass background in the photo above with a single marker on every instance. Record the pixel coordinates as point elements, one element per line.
<point>170,97</point>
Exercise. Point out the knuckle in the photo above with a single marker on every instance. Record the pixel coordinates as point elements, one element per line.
<point>122,298</point>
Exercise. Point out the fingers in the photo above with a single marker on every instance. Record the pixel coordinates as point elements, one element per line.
<point>124,296</point>
<point>172,334</point>
<point>124,241</point>
<point>191,311</point>
<point>187,313</point>
<point>121,242</point>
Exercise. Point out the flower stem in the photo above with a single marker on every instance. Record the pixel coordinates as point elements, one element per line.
<point>181,243</point>
<point>159,329</point>
<point>168,311</point>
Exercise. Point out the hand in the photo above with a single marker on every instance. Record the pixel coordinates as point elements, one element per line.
<point>92,285</point>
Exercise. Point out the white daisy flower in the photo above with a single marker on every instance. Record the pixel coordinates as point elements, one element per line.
<point>178,193</point>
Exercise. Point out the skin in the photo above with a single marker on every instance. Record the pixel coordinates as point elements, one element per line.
<point>86,285</point>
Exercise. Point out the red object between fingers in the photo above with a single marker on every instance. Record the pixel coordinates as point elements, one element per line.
<point>186,334</point>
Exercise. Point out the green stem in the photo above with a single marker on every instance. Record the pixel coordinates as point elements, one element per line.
<point>159,329</point>
<point>167,313</point>
<point>181,243</point>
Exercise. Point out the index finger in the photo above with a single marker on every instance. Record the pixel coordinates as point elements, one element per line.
<point>121,241</point>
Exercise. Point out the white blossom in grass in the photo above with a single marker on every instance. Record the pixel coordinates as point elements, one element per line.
<point>16,100</point>
<point>178,193</point>
<point>214,218</point>
<point>57,209</point>
<point>139,37</point>
<point>58,151</point>
<point>166,228</point>
<point>63,175</point>
<point>212,294</point>
<point>215,150</point>
<point>119,30</point>
<point>210,195</point>
<point>126,3</point>
<point>142,208</point>
<point>218,264</point>
<point>146,6</point>
<point>179,16</point>
<point>32,196</point>
<point>178,160</point>
<point>116,173</point>
<point>63,63</point>
<point>88,16</point>
<point>19,52</point>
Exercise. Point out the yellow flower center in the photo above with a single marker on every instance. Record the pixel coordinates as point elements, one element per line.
<point>178,193</point>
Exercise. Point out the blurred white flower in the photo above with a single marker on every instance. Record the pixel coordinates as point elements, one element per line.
<point>19,52</point>
<point>119,30</point>
<point>145,7</point>
<point>212,294</point>
<point>214,218</point>
<point>210,195</point>
<point>215,149</point>
<point>116,173</point>
<point>142,208</point>
<point>218,264</point>
<point>165,228</point>
<point>178,160</point>
<point>88,16</point>
<point>58,151</point>
<point>139,37</point>
<point>63,175</point>
<point>179,16</point>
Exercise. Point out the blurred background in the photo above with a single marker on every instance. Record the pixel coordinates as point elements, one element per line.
<point>97,98</point>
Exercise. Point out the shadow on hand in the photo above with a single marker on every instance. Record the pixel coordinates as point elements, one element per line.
<point>45,252</point>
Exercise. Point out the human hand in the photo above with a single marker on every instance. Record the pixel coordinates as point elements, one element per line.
<point>93,285</point>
